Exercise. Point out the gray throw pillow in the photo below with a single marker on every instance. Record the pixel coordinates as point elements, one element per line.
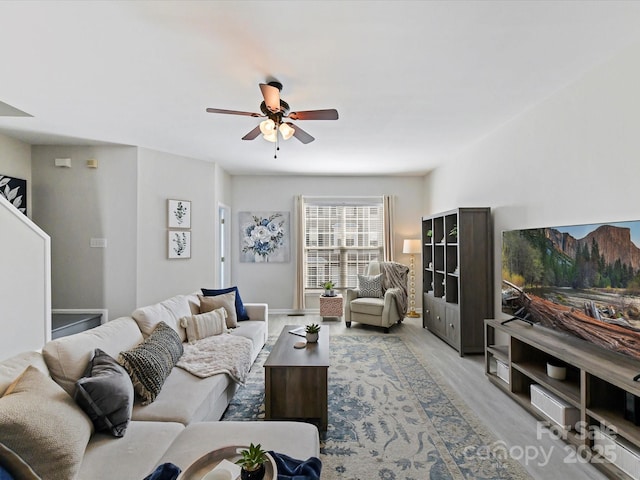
<point>370,286</point>
<point>105,393</point>
<point>150,363</point>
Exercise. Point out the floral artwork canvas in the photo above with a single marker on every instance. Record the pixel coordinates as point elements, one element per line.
<point>264,237</point>
<point>179,244</point>
<point>14,190</point>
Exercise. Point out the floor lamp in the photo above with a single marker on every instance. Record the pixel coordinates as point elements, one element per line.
<point>412,246</point>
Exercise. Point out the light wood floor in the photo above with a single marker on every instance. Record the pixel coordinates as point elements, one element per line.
<point>549,458</point>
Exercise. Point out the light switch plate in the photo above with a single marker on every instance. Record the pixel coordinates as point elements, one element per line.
<point>98,243</point>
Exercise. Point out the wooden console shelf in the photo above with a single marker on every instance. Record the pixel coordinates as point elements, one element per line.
<point>597,381</point>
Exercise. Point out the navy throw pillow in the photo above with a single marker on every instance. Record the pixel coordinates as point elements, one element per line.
<point>240,310</point>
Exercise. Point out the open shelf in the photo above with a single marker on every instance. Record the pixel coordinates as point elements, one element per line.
<point>596,385</point>
<point>501,352</point>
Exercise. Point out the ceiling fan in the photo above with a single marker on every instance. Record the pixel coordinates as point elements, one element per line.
<point>277,110</point>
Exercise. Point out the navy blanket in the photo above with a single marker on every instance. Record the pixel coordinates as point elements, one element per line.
<point>166,471</point>
<point>292,469</point>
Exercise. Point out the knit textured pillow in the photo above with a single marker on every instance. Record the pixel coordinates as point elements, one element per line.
<point>150,363</point>
<point>370,286</point>
<point>42,424</point>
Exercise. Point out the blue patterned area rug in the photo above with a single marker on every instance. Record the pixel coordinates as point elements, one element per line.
<point>389,417</point>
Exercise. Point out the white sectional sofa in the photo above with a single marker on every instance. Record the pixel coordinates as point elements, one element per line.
<point>181,424</point>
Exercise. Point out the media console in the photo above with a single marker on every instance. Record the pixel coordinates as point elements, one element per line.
<point>599,389</point>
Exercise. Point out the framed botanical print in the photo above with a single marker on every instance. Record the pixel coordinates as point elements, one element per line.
<point>179,244</point>
<point>178,213</point>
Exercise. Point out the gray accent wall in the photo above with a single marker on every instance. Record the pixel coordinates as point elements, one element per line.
<point>77,204</point>
<point>124,201</point>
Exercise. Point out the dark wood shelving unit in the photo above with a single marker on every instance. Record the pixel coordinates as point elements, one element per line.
<point>458,276</point>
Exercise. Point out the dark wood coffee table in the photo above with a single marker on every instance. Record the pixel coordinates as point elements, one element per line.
<point>296,379</point>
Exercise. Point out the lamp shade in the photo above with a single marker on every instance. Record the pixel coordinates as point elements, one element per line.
<point>267,126</point>
<point>286,131</point>
<point>412,245</point>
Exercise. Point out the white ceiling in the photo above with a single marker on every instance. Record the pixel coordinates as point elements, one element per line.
<point>414,82</point>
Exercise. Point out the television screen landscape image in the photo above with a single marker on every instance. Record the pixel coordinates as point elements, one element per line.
<point>581,279</point>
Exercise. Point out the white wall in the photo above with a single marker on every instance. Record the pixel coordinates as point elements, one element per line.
<point>15,161</point>
<point>274,282</point>
<point>572,159</point>
<point>76,204</point>
<point>162,176</point>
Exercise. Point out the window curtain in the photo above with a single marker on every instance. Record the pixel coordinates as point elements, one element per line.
<point>298,294</point>
<point>388,214</point>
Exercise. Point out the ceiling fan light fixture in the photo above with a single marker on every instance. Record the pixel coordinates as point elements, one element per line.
<point>268,127</point>
<point>286,131</point>
<point>271,136</point>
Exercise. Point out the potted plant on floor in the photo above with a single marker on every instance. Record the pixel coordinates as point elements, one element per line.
<point>328,289</point>
<point>252,463</point>
<point>312,332</point>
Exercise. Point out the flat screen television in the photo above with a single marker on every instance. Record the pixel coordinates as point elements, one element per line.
<point>581,279</point>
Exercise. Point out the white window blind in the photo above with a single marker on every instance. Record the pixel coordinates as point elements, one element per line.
<point>342,236</point>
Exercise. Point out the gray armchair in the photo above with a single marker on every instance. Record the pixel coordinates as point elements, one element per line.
<point>380,312</point>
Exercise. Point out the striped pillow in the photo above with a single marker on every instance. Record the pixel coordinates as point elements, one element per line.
<point>205,325</point>
<point>370,286</point>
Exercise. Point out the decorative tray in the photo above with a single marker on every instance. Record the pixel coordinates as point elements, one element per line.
<point>198,469</point>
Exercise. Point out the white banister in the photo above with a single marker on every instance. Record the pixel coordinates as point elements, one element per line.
<point>25,283</point>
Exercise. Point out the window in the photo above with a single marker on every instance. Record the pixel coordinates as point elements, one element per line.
<point>341,237</point>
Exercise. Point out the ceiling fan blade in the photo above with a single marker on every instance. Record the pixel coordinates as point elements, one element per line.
<point>329,114</point>
<point>233,112</point>
<point>271,96</point>
<point>300,134</point>
<point>252,134</point>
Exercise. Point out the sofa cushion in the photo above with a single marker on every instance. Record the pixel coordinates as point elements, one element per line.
<point>255,331</point>
<point>169,311</point>
<point>370,286</point>
<point>131,457</point>
<point>368,306</point>
<point>226,300</point>
<point>205,324</point>
<point>241,312</point>
<point>15,466</point>
<point>150,363</point>
<point>186,398</point>
<point>105,393</point>
<point>43,425</point>
<point>12,367</point>
<point>67,357</point>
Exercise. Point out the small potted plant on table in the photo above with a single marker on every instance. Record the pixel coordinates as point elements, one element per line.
<point>252,463</point>
<point>312,332</point>
<point>328,289</point>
